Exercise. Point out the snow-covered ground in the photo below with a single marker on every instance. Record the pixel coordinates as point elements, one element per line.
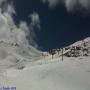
<point>47,74</point>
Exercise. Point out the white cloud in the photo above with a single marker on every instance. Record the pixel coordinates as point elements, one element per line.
<point>35,22</point>
<point>70,4</point>
<point>51,3</point>
<point>77,4</point>
<point>24,27</point>
<point>9,32</point>
<point>1,1</point>
<point>10,9</point>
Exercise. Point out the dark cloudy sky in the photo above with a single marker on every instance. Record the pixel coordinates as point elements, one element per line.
<point>59,25</point>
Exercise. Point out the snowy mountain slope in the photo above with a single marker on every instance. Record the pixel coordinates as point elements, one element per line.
<point>12,55</point>
<point>79,48</point>
<point>73,73</point>
<point>86,40</point>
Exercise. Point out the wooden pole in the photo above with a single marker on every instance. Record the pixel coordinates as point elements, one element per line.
<point>62,54</point>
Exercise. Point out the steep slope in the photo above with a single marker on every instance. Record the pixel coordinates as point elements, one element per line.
<point>86,40</point>
<point>80,48</point>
